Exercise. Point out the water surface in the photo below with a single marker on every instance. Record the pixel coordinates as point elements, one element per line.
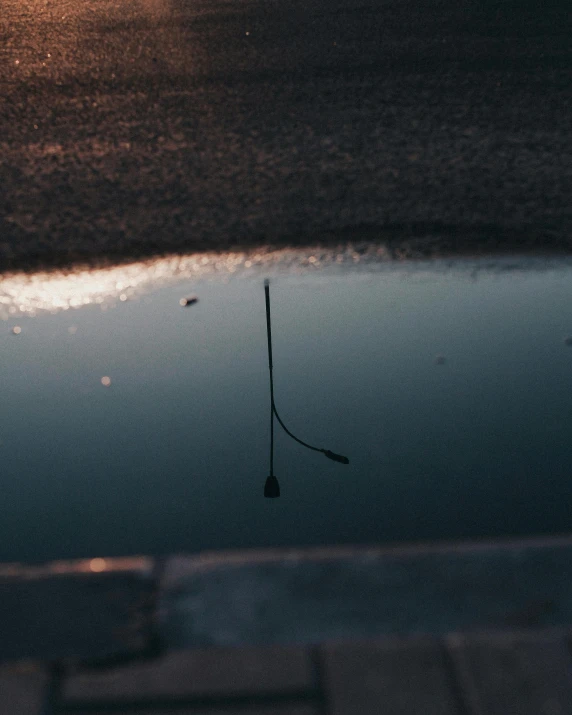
<point>448,386</point>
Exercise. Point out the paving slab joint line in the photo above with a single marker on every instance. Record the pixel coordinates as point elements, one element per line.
<point>52,698</point>
<point>568,643</point>
<point>454,681</point>
<point>470,700</point>
<point>318,664</point>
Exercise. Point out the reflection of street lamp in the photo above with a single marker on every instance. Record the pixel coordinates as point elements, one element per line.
<point>272,488</point>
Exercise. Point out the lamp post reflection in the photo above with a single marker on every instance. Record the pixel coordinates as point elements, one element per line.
<point>272,486</point>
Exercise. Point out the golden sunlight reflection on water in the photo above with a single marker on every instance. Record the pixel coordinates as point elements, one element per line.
<point>54,291</point>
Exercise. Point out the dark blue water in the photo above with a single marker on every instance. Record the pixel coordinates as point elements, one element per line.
<point>449,387</point>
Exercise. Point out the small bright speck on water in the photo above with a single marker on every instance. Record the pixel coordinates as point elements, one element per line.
<point>16,330</point>
<point>97,565</point>
<point>106,381</point>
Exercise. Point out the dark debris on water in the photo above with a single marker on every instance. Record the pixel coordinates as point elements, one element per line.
<point>190,300</point>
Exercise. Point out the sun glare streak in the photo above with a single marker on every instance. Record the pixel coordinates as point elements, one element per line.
<point>29,294</point>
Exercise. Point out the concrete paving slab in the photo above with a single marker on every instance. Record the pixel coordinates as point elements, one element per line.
<point>526,673</point>
<point>406,676</point>
<point>197,673</point>
<point>89,609</point>
<point>23,688</point>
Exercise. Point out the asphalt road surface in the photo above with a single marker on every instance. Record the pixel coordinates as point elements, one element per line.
<point>142,127</point>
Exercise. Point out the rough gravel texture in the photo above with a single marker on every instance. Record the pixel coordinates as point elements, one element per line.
<point>141,127</point>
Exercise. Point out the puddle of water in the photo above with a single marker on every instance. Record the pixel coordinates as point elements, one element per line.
<point>448,387</point>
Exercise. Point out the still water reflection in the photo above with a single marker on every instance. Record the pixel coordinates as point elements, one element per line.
<point>448,386</point>
<point>272,486</point>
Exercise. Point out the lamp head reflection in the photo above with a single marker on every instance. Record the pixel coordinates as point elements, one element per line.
<point>336,457</point>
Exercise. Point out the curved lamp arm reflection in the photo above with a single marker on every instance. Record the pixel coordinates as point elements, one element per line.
<point>272,487</point>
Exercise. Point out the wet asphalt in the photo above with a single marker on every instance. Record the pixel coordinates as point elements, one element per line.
<point>142,127</point>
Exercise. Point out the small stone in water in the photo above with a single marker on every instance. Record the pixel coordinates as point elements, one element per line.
<point>440,360</point>
<point>16,330</point>
<point>106,381</point>
<point>191,300</point>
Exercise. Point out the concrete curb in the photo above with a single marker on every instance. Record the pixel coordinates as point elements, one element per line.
<point>310,595</point>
